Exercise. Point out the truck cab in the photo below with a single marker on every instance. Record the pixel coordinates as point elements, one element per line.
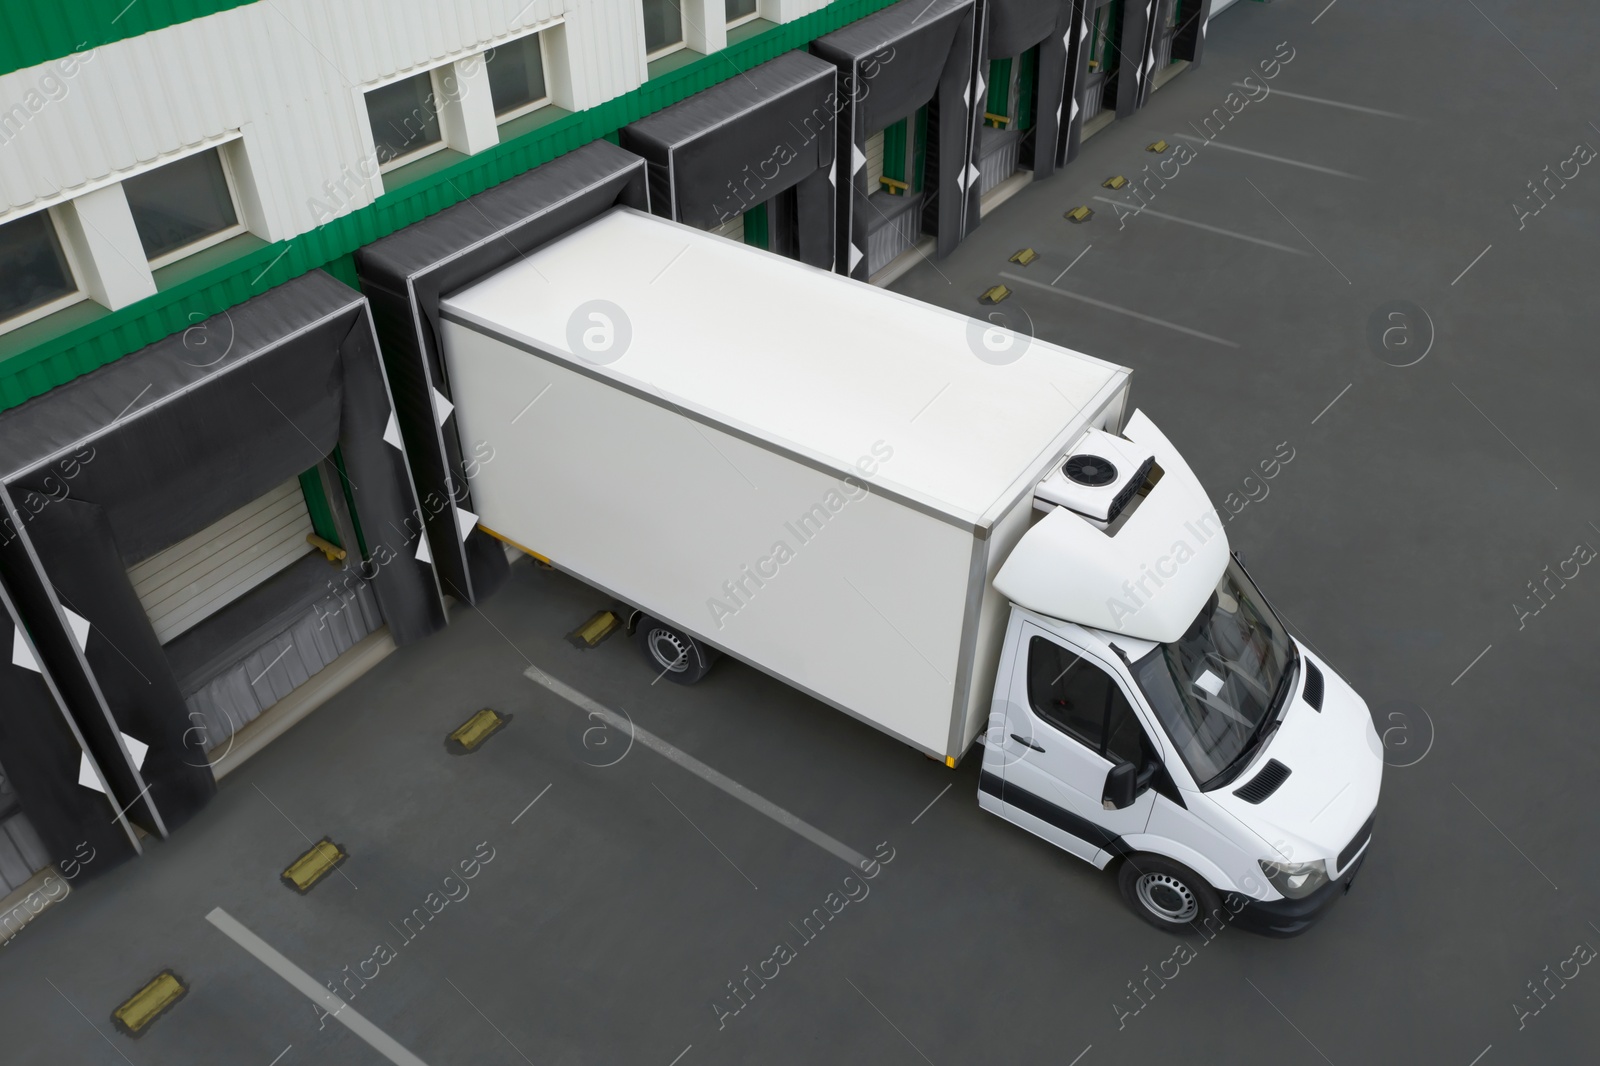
<point>1151,708</point>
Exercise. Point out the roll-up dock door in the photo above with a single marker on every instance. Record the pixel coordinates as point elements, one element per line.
<point>201,574</point>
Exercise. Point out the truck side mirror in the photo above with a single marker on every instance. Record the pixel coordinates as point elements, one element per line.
<point>1122,787</point>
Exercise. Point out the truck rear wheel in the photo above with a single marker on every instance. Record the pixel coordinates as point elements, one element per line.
<point>672,653</point>
<point>1167,894</point>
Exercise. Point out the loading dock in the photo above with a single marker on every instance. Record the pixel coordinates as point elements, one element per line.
<point>125,674</point>
<point>892,65</point>
<point>1022,81</point>
<point>752,158</point>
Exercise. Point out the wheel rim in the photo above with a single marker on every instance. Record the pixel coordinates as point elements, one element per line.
<point>670,651</point>
<point>1168,898</point>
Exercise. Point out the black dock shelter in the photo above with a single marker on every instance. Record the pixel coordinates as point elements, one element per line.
<point>131,459</point>
<point>760,145</point>
<point>405,274</point>
<point>914,54</point>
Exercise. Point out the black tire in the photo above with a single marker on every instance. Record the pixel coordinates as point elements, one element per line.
<point>1169,895</point>
<point>672,653</point>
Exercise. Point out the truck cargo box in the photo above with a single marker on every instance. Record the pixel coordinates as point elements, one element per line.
<point>816,476</point>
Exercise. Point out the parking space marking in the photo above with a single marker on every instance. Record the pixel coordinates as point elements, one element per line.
<point>306,985</point>
<point>1334,103</point>
<point>1154,321</point>
<point>1273,158</point>
<point>1153,213</point>
<point>700,769</point>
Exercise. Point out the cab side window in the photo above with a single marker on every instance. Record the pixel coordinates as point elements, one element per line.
<point>1083,701</point>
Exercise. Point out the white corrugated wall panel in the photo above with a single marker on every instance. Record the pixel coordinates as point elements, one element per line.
<point>290,74</point>
<point>198,576</point>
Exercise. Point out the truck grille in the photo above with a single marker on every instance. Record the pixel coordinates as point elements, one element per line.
<point>1359,841</point>
<point>1265,783</point>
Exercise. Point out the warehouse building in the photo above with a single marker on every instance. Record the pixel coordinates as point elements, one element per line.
<point>230,476</point>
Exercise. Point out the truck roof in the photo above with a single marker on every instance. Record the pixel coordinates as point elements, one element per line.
<point>800,357</point>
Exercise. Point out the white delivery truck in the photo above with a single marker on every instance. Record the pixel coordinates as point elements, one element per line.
<point>944,529</point>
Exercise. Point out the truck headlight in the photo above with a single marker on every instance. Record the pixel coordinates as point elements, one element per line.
<point>1296,880</point>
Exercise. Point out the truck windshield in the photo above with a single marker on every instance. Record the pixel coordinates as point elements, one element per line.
<point>1215,687</point>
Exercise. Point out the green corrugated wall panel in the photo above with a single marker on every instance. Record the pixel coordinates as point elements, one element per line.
<point>75,352</point>
<point>318,508</point>
<point>344,268</point>
<point>999,102</point>
<point>37,31</point>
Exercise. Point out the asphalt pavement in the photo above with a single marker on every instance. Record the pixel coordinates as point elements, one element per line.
<point>623,901</point>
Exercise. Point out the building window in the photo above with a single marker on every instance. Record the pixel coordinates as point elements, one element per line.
<point>405,120</point>
<point>516,77</point>
<point>663,27</point>
<point>739,11</point>
<point>182,207</point>
<point>36,276</point>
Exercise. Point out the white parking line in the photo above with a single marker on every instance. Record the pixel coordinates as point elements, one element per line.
<point>1273,158</point>
<point>1333,103</point>
<point>1153,213</point>
<point>1154,321</point>
<point>700,769</point>
<point>306,985</point>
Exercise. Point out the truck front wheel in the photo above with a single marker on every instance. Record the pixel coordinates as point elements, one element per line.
<point>1167,894</point>
<point>672,653</point>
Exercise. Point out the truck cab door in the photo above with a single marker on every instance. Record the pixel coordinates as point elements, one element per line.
<point>1054,738</point>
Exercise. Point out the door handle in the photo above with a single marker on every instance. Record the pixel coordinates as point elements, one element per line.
<point>1025,742</point>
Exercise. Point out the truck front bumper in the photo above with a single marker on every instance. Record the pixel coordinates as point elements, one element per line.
<point>1291,917</point>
